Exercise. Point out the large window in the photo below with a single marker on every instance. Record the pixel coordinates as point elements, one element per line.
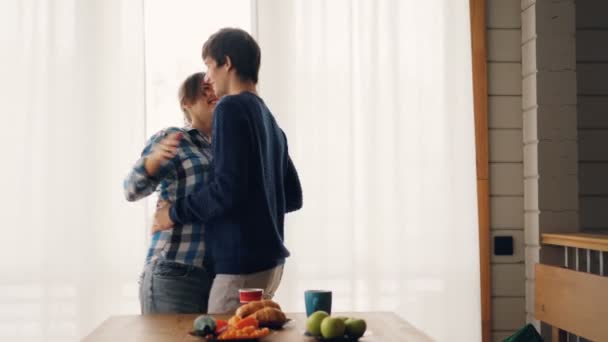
<point>375,97</point>
<point>174,36</point>
<point>84,83</point>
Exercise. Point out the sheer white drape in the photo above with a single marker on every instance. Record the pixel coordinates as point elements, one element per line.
<point>72,109</point>
<point>376,99</point>
<point>175,33</point>
<point>82,87</point>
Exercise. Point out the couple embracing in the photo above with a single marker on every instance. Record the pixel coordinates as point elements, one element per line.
<point>225,182</point>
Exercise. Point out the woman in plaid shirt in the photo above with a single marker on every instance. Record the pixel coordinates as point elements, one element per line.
<point>175,162</point>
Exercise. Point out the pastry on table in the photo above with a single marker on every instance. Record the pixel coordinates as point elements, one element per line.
<point>252,307</point>
<point>266,312</point>
<point>269,316</point>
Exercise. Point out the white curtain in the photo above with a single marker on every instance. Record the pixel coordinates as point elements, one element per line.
<point>72,116</point>
<point>376,99</point>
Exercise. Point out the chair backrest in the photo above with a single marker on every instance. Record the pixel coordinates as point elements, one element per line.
<point>573,301</point>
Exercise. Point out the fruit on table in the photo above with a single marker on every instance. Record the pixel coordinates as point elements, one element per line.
<point>332,327</point>
<point>355,328</point>
<point>246,328</point>
<point>244,333</point>
<point>313,323</point>
<point>247,322</point>
<point>220,326</point>
<point>204,324</point>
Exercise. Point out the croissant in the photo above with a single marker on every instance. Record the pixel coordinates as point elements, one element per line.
<point>269,315</point>
<point>252,307</point>
<point>234,320</point>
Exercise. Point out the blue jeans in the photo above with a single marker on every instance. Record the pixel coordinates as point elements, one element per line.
<point>172,287</point>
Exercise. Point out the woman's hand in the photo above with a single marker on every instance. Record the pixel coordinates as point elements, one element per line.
<point>164,150</point>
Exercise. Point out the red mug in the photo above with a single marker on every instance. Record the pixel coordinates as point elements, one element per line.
<point>250,295</point>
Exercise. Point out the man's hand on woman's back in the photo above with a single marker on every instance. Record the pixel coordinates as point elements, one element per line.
<point>162,221</point>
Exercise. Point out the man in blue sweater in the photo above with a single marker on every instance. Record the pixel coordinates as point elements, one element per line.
<point>253,183</point>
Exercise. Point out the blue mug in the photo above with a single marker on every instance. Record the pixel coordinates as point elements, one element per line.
<point>317,300</point>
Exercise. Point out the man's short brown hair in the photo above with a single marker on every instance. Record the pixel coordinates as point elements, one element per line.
<point>243,50</point>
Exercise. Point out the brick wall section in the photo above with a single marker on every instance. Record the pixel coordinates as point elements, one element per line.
<point>592,81</point>
<point>506,163</point>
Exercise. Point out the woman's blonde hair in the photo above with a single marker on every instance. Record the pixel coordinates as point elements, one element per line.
<point>190,91</point>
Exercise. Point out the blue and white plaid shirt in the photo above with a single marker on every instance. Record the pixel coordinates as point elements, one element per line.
<point>183,174</point>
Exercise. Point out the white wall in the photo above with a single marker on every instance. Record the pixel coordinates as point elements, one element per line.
<point>506,163</point>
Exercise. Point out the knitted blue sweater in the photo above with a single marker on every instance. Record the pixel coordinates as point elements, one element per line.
<point>252,185</point>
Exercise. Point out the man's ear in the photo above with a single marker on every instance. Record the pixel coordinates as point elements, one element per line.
<point>227,63</point>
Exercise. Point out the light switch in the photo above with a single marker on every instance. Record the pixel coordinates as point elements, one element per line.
<point>503,245</point>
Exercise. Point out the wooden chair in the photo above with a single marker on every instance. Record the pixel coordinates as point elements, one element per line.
<point>569,300</point>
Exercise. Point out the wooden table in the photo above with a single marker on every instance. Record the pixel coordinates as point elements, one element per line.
<point>381,326</point>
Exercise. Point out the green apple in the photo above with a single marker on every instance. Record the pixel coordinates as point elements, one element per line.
<point>313,323</point>
<point>332,327</point>
<point>355,328</point>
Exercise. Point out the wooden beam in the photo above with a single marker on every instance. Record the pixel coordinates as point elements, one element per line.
<point>480,103</point>
<point>596,242</point>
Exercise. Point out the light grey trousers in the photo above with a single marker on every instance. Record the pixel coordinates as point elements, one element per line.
<point>224,295</point>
